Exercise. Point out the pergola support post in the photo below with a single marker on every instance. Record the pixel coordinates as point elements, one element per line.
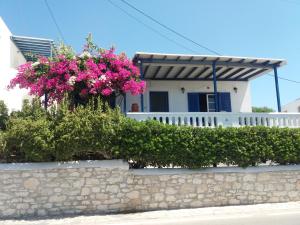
<point>124,104</point>
<point>277,89</point>
<point>142,77</point>
<point>46,101</point>
<point>46,94</point>
<point>215,86</point>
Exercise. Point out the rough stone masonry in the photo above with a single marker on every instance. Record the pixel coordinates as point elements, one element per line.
<point>99,187</point>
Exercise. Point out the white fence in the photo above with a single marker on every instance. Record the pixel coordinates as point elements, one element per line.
<point>224,119</point>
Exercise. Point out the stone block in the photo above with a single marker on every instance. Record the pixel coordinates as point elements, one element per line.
<point>293,194</point>
<point>219,177</point>
<point>202,188</point>
<point>22,206</point>
<point>8,212</point>
<point>298,185</point>
<point>158,197</point>
<point>85,191</point>
<point>112,188</point>
<point>133,195</point>
<point>234,201</point>
<point>57,198</point>
<point>171,198</point>
<point>187,188</point>
<point>92,181</point>
<point>31,183</point>
<point>249,178</point>
<point>263,177</point>
<point>170,191</point>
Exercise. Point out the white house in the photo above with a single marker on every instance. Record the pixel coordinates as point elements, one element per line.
<point>292,107</point>
<point>196,90</point>
<point>14,51</point>
<point>203,90</point>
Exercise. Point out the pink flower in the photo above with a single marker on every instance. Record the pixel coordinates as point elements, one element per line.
<point>134,87</point>
<point>97,74</point>
<point>82,76</point>
<point>73,66</point>
<point>83,92</point>
<point>43,60</point>
<point>106,92</point>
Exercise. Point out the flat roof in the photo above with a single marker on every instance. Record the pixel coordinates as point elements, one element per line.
<point>160,66</point>
<point>32,47</point>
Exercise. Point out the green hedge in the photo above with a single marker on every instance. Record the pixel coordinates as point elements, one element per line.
<point>35,136</point>
<point>152,143</point>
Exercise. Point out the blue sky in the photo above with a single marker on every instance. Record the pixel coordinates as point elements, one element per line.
<point>258,28</point>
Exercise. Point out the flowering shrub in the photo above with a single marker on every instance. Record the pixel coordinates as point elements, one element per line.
<point>92,73</point>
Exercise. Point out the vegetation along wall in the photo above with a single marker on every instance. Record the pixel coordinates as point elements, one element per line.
<point>96,187</point>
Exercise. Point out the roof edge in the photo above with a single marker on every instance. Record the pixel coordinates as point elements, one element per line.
<point>283,61</point>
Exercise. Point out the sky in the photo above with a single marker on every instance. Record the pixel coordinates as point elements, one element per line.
<point>253,28</point>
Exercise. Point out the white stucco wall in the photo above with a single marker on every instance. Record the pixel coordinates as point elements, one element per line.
<point>292,106</point>
<point>178,101</point>
<point>10,59</point>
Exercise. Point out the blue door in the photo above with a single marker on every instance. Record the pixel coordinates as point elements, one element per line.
<point>224,101</point>
<point>193,102</point>
<point>159,101</point>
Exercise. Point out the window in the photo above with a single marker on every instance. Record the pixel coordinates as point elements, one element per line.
<point>159,101</point>
<point>211,103</point>
<point>205,102</point>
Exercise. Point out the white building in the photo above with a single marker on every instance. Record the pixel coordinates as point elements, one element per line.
<point>185,83</point>
<point>203,90</point>
<point>197,90</point>
<point>293,106</point>
<point>14,51</point>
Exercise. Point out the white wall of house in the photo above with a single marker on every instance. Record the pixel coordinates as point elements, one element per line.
<point>292,106</point>
<point>178,101</point>
<point>10,59</point>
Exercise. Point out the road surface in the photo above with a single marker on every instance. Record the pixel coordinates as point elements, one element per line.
<point>263,214</point>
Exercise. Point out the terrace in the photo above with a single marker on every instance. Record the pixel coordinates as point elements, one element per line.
<point>205,91</point>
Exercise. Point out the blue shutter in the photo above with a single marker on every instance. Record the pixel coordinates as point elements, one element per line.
<point>193,102</point>
<point>224,102</point>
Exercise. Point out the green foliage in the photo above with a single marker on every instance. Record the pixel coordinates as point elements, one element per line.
<point>86,133</point>
<point>262,109</point>
<point>28,140</point>
<point>63,49</point>
<point>29,137</point>
<point>155,144</point>
<point>97,132</point>
<point>30,110</point>
<point>2,147</point>
<point>3,115</point>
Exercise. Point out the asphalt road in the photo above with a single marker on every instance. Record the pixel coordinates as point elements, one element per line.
<point>263,214</point>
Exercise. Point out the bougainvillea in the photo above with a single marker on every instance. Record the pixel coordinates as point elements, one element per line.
<point>92,73</point>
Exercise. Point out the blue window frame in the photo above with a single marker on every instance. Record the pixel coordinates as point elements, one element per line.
<point>205,102</point>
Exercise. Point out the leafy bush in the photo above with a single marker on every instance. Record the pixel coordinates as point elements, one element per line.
<point>155,144</point>
<point>28,137</point>
<point>2,147</point>
<point>86,134</point>
<point>92,132</point>
<point>263,109</point>
<point>3,115</point>
<point>28,140</point>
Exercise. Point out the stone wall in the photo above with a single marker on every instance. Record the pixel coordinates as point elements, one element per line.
<point>97,187</point>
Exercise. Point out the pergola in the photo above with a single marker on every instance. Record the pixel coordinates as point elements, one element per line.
<point>156,66</point>
<point>31,47</point>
